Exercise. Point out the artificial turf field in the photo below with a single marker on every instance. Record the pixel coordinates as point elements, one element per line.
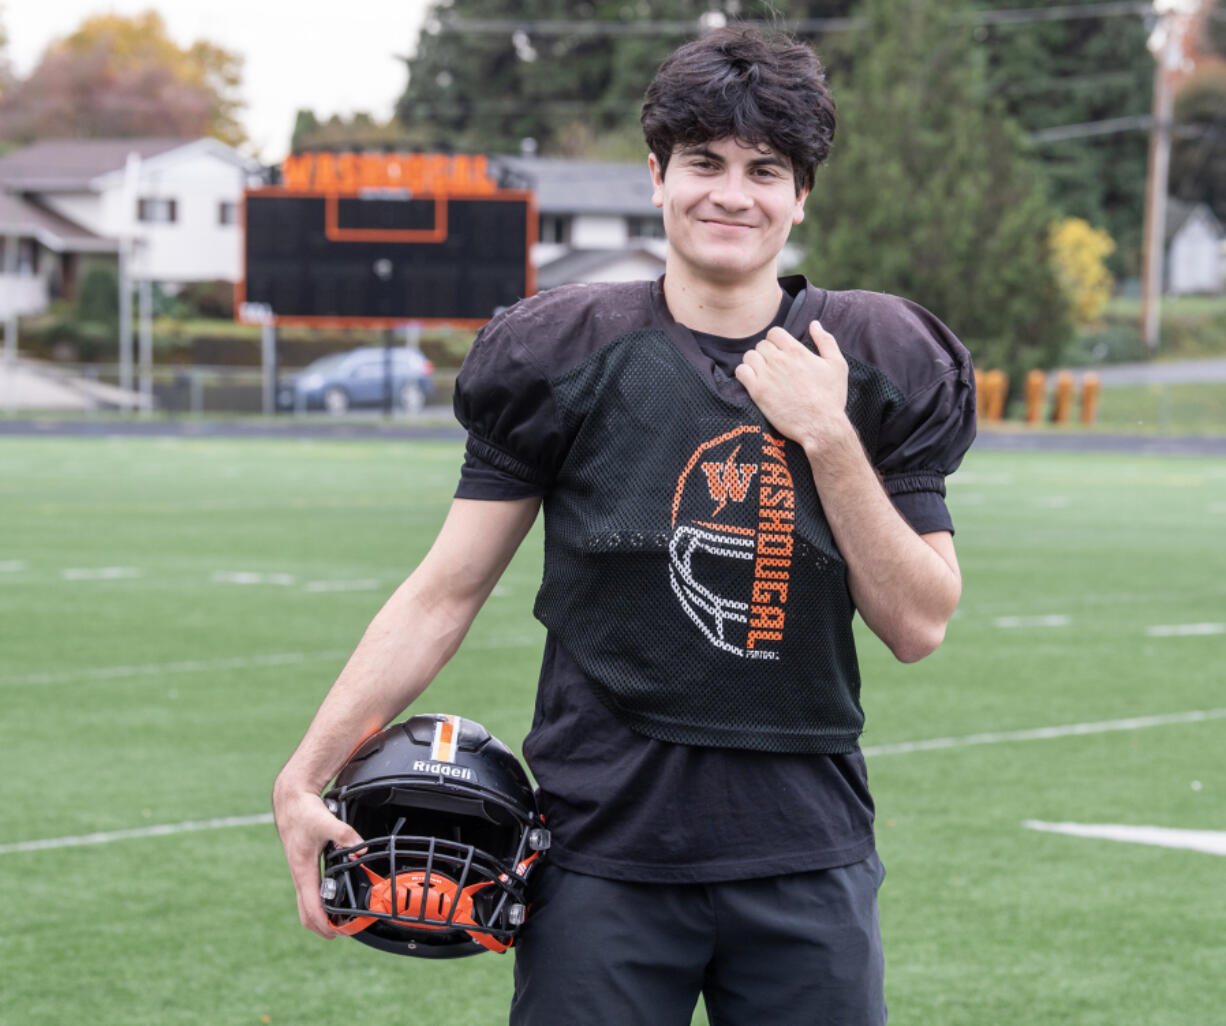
<point>172,611</point>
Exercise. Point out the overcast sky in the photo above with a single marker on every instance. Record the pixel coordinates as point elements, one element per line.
<point>331,58</point>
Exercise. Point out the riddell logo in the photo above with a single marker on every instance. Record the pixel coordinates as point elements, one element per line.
<point>730,553</point>
<point>443,769</point>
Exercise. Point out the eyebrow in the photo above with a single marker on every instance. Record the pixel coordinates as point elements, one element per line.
<point>771,159</point>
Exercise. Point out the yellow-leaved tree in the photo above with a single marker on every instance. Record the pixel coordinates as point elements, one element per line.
<point>1078,253</point>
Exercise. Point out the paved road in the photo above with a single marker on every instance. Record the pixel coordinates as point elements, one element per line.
<point>1176,372</point>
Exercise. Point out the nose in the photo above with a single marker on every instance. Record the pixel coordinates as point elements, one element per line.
<point>730,192</point>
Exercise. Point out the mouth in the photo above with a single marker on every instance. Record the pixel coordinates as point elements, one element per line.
<point>717,223</point>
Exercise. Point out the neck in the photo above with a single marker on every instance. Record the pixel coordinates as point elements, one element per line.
<point>732,311</point>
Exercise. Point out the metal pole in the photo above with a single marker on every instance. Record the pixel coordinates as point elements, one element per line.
<point>268,362</point>
<point>388,391</point>
<point>146,345</point>
<point>125,320</point>
<point>10,321</point>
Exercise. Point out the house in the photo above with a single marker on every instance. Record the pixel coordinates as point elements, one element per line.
<point>596,219</point>
<point>1194,243</point>
<point>173,202</point>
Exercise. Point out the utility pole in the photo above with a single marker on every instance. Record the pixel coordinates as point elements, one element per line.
<point>1166,44</point>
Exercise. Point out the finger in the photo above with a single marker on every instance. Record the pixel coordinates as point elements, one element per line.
<point>777,338</point>
<point>753,359</point>
<point>745,374</point>
<point>827,344</point>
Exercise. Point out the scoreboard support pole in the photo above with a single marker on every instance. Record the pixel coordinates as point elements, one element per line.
<point>268,366</point>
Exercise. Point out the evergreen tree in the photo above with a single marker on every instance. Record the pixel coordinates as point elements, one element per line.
<point>1074,71</point>
<point>930,192</point>
<point>1198,152</point>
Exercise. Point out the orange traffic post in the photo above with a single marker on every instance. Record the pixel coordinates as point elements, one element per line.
<point>1091,387</point>
<point>1064,397</point>
<point>996,386</point>
<point>1036,388</point>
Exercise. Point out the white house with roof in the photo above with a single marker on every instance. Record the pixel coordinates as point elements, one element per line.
<point>173,202</point>
<point>1194,241</point>
<point>597,221</point>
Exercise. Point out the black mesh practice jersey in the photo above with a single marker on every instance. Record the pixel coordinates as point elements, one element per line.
<point>571,395</point>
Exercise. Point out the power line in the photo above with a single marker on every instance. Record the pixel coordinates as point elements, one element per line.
<point>1108,126</point>
<point>593,28</point>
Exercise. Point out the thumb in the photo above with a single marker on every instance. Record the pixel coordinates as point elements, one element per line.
<point>827,345</point>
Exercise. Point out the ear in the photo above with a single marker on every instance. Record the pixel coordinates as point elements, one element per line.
<point>657,180</point>
<point>798,214</point>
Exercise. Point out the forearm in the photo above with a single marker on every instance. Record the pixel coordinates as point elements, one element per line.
<point>410,639</point>
<point>905,586</point>
<point>401,651</point>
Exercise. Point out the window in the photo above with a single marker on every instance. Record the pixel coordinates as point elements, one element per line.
<point>553,229</point>
<point>646,227</point>
<point>227,212</point>
<point>157,211</point>
<point>26,257</point>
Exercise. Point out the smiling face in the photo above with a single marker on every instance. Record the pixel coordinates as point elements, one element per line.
<point>728,209</point>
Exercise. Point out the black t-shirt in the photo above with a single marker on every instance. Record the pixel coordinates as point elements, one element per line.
<point>627,806</point>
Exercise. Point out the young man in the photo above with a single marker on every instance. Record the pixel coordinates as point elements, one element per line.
<point>731,465</point>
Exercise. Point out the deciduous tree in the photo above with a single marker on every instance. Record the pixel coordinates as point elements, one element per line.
<point>117,76</point>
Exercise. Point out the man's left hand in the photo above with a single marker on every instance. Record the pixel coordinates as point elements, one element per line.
<point>802,394</point>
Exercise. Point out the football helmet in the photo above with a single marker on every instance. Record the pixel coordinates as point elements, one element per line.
<point>451,834</point>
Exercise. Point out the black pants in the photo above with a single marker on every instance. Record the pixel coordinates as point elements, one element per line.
<point>798,950</point>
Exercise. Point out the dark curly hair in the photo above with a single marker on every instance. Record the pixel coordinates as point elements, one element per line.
<point>743,84</point>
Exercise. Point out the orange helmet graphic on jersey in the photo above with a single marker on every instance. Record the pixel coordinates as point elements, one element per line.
<point>730,551</point>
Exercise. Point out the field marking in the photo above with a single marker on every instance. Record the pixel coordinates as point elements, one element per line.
<point>100,573</point>
<point>252,577</point>
<point>1041,733</point>
<point>183,666</point>
<point>1212,842</point>
<point>161,830</point>
<point>365,584</point>
<point>12,566</point>
<point>1047,620</point>
<point>1185,630</point>
<point>1045,733</point>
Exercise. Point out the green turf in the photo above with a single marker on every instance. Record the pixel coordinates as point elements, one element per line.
<point>241,573</point>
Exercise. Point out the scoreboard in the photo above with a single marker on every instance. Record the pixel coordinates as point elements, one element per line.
<point>378,240</point>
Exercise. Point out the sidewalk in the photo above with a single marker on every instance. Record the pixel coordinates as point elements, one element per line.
<point>35,385</point>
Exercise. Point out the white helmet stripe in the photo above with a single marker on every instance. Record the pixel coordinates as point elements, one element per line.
<point>446,736</point>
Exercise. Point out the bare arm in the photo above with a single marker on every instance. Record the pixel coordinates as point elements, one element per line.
<point>905,585</point>
<point>410,639</point>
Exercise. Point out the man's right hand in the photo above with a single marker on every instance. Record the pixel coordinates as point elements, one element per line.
<point>306,826</point>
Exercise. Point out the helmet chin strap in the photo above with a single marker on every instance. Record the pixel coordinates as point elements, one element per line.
<point>429,906</point>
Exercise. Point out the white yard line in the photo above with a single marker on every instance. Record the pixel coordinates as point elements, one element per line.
<point>1212,842</point>
<point>1047,620</point>
<point>184,666</point>
<point>1185,630</point>
<point>161,830</point>
<point>1041,733</point>
<point>1045,733</point>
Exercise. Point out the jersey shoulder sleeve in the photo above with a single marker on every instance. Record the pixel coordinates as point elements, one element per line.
<point>504,394</point>
<point>930,421</point>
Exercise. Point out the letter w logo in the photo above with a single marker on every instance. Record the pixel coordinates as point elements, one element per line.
<point>729,480</point>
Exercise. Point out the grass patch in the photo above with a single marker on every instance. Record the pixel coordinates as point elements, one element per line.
<point>147,696</point>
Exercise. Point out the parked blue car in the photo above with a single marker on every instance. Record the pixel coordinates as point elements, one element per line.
<point>356,379</point>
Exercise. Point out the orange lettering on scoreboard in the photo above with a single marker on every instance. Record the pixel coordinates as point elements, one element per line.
<point>438,174</point>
